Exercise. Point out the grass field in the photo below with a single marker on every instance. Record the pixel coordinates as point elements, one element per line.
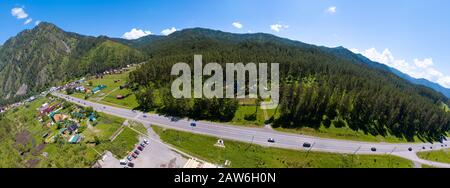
<point>344,133</point>
<point>243,155</point>
<point>108,95</point>
<point>243,111</point>
<point>442,156</point>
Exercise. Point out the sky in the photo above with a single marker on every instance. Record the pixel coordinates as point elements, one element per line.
<point>410,35</point>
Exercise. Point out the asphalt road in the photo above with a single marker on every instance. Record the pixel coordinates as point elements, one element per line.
<point>260,136</point>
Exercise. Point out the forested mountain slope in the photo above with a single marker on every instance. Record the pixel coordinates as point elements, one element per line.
<point>38,58</point>
<point>320,86</point>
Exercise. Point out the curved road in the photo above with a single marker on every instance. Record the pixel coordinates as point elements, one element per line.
<point>260,136</point>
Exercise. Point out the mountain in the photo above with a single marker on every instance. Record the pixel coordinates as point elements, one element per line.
<point>345,53</point>
<point>423,82</point>
<point>320,86</point>
<point>205,41</point>
<point>45,55</point>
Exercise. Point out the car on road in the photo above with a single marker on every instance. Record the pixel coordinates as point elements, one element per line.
<point>423,147</point>
<point>131,165</point>
<point>145,116</point>
<point>271,140</point>
<point>193,124</point>
<point>410,149</point>
<point>373,149</point>
<point>307,145</point>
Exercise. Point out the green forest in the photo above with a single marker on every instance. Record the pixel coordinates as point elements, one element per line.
<point>319,86</point>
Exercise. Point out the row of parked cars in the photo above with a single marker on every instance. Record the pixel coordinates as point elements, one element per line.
<point>134,155</point>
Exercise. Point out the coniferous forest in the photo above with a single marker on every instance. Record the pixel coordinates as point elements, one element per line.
<point>319,86</point>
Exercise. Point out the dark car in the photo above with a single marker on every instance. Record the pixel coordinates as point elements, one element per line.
<point>410,149</point>
<point>134,155</point>
<point>423,147</point>
<point>145,116</point>
<point>142,145</point>
<point>140,148</point>
<point>193,124</point>
<point>271,140</point>
<point>307,145</point>
<point>373,149</point>
<point>130,158</point>
<point>131,165</point>
<point>137,152</point>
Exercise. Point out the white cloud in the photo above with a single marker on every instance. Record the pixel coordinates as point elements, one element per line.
<point>168,31</point>
<point>135,34</point>
<point>237,25</point>
<point>417,68</point>
<point>331,10</point>
<point>19,13</point>
<point>29,20</point>
<point>37,22</point>
<point>278,27</point>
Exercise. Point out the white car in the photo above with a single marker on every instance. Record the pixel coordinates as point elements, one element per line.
<point>146,141</point>
<point>123,162</point>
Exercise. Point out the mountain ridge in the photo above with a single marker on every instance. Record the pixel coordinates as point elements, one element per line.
<point>38,58</point>
<point>70,50</point>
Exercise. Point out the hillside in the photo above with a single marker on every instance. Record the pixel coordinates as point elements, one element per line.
<point>45,55</point>
<point>320,86</point>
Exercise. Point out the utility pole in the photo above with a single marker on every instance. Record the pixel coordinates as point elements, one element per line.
<point>390,156</point>
<point>354,153</point>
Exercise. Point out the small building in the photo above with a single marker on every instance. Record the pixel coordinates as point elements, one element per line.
<point>72,128</point>
<point>63,131</point>
<point>75,139</point>
<point>98,88</point>
<point>120,97</point>
<point>92,117</point>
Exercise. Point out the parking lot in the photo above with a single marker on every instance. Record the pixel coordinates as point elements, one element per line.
<point>154,155</point>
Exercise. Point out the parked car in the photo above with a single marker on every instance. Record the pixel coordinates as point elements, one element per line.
<point>134,155</point>
<point>137,152</point>
<point>140,148</point>
<point>142,145</point>
<point>123,162</point>
<point>146,141</point>
<point>130,158</point>
<point>373,149</point>
<point>131,165</point>
<point>307,145</point>
<point>271,140</point>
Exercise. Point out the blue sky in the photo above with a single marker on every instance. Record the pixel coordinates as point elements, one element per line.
<point>410,35</point>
